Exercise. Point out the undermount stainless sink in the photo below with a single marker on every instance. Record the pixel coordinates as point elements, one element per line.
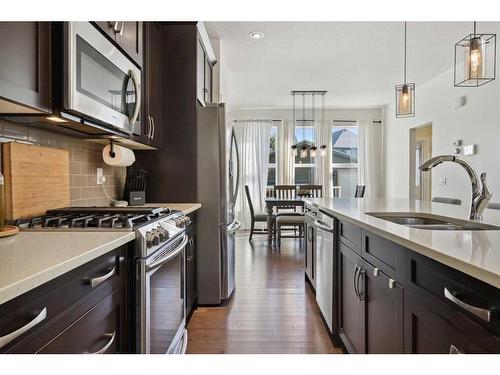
<point>425,221</point>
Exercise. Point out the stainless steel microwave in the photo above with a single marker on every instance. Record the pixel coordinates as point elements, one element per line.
<point>101,83</point>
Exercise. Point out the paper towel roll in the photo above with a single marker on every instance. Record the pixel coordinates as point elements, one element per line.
<point>123,157</point>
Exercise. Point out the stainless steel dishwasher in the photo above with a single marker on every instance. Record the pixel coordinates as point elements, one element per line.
<point>325,228</point>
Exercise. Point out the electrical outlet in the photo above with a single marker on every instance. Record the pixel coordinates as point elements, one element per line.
<point>100,176</point>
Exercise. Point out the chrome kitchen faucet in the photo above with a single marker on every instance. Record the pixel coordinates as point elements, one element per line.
<point>480,196</point>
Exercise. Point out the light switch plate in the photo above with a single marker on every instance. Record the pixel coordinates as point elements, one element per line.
<point>469,150</point>
<point>442,181</point>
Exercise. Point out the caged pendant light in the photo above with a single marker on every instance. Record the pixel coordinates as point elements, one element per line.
<point>405,93</point>
<point>475,60</point>
<point>304,151</point>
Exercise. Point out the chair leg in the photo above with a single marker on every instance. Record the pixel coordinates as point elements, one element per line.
<point>278,236</point>
<point>252,225</point>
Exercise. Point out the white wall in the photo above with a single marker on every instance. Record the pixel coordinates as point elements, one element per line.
<point>476,123</point>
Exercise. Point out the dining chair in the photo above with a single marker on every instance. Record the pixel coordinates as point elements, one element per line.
<point>311,191</point>
<point>456,201</point>
<point>360,191</point>
<point>286,192</point>
<point>256,217</point>
<point>286,222</point>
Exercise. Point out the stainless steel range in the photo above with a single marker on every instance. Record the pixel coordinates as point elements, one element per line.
<point>158,275</point>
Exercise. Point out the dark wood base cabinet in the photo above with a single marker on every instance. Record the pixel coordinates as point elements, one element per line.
<point>82,311</point>
<point>392,300</point>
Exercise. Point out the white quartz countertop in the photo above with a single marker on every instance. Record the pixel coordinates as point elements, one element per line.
<point>187,208</point>
<point>476,253</point>
<point>30,259</point>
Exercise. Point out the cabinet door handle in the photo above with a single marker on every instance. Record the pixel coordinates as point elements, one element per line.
<point>94,281</point>
<point>477,311</point>
<point>108,344</point>
<point>149,127</point>
<point>154,127</point>
<point>356,269</point>
<point>4,340</point>
<point>361,272</point>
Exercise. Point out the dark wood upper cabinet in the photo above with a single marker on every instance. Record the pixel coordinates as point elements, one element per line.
<point>127,34</point>
<point>151,124</point>
<point>25,67</point>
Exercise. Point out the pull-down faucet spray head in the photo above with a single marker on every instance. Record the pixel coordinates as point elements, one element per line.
<point>480,196</point>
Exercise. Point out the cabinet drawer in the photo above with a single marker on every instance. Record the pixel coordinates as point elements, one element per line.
<point>350,235</point>
<point>53,299</point>
<point>463,300</point>
<point>96,332</point>
<point>426,332</point>
<point>386,255</point>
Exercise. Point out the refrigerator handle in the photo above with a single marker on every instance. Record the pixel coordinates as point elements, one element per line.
<point>237,185</point>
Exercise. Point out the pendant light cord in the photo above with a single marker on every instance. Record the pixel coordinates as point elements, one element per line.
<point>405,55</point>
<point>474,29</point>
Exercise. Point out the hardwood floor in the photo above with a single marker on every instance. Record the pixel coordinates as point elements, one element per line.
<point>272,309</point>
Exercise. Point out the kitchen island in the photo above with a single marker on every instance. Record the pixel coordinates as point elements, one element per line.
<point>402,289</point>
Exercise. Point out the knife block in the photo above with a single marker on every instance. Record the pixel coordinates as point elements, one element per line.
<point>136,198</point>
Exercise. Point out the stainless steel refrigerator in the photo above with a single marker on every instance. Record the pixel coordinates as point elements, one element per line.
<point>218,180</point>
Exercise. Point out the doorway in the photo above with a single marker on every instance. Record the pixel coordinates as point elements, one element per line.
<point>420,151</point>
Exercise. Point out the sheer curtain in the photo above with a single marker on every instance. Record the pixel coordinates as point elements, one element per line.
<point>370,157</point>
<point>253,143</point>
<point>286,170</point>
<point>322,175</point>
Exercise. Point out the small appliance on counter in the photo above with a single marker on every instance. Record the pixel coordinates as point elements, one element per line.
<point>135,188</point>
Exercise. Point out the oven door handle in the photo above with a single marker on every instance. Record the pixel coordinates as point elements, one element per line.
<point>137,87</point>
<point>169,256</point>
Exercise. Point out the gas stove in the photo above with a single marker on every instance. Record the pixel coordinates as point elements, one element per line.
<point>93,218</point>
<point>154,226</point>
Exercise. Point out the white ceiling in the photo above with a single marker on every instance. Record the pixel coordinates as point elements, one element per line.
<point>357,62</point>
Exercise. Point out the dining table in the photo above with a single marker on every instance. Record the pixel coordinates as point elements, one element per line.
<point>272,202</point>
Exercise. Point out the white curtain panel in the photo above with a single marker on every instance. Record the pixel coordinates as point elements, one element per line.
<point>253,143</point>
<point>323,173</point>
<point>286,167</point>
<point>370,157</point>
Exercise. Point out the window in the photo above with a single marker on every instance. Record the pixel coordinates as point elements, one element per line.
<point>272,170</point>
<point>304,167</point>
<point>345,152</point>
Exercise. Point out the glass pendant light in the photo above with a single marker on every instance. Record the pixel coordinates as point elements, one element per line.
<point>313,150</point>
<point>294,150</point>
<point>475,60</point>
<point>405,94</point>
<point>322,150</point>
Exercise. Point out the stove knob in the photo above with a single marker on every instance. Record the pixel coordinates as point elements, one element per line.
<point>149,239</point>
<point>156,237</point>
<point>162,233</point>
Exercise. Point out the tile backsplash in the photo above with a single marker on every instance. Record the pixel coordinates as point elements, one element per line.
<point>84,159</point>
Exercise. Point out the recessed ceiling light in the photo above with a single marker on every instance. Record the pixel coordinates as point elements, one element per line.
<point>256,35</point>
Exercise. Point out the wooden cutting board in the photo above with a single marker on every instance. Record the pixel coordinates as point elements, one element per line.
<point>36,179</point>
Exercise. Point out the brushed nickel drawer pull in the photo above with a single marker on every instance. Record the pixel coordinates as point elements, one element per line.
<point>99,280</point>
<point>455,350</point>
<point>375,271</point>
<point>477,311</point>
<point>4,340</point>
<point>105,347</point>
